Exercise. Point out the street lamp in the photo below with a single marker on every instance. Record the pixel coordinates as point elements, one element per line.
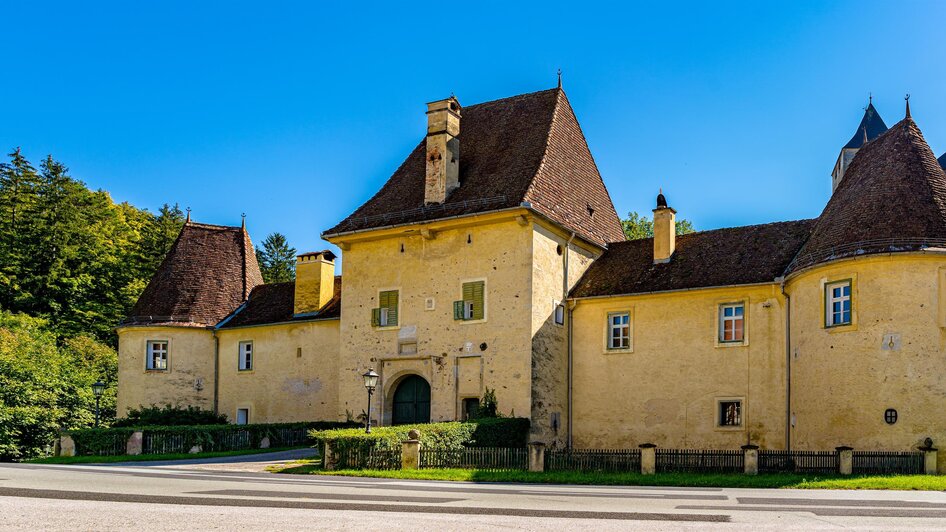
<point>371,380</point>
<point>98,389</point>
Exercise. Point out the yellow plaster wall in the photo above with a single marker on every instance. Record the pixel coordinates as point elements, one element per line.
<point>435,266</point>
<point>285,385</point>
<point>842,378</point>
<point>664,390</point>
<point>190,357</point>
<point>549,340</point>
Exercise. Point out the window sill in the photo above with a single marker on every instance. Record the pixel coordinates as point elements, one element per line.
<point>841,328</point>
<point>618,351</point>
<point>725,345</point>
<point>387,328</point>
<point>736,428</point>
<point>470,322</point>
<point>245,371</point>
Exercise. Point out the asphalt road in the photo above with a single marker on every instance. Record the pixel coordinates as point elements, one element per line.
<point>171,497</point>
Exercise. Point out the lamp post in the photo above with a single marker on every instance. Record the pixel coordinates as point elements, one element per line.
<point>371,380</point>
<point>98,388</point>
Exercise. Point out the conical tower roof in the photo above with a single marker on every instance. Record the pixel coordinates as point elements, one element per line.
<point>892,198</point>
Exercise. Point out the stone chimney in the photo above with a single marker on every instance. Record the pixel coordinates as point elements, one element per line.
<point>443,150</point>
<point>665,230</point>
<point>315,281</point>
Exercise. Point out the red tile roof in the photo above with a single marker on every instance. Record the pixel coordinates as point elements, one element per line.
<point>209,271</point>
<point>721,257</point>
<point>274,303</point>
<point>526,148</point>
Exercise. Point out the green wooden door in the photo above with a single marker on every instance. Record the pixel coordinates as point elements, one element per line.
<point>412,401</point>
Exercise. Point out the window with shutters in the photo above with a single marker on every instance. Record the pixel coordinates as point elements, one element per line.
<point>386,313</point>
<point>245,356</point>
<point>473,305</point>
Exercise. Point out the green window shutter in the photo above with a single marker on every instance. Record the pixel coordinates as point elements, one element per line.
<point>389,301</point>
<point>478,300</point>
<point>458,310</point>
<point>375,317</point>
<point>468,291</point>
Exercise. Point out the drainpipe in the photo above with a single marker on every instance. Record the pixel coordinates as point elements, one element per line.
<point>788,367</point>
<point>216,371</point>
<point>571,312</point>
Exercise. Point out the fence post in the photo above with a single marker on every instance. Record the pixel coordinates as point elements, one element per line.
<point>66,446</point>
<point>328,457</point>
<point>135,443</point>
<point>410,451</point>
<point>929,458</point>
<point>537,457</point>
<point>648,458</point>
<point>751,460</point>
<point>845,460</point>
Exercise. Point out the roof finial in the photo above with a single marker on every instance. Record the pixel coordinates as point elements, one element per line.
<point>560,78</point>
<point>870,98</point>
<point>188,215</point>
<point>243,215</point>
<point>907,98</point>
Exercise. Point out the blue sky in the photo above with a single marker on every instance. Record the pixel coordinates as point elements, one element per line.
<point>297,113</point>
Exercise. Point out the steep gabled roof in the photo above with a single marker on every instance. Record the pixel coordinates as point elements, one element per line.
<point>209,271</point>
<point>721,257</point>
<point>872,123</point>
<point>526,148</point>
<point>274,303</point>
<point>892,198</point>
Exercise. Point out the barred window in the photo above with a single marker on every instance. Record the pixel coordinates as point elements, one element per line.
<point>730,413</point>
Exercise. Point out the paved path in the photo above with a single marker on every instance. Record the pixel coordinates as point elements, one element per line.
<point>84,497</point>
<point>246,463</point>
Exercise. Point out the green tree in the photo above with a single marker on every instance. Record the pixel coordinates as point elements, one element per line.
<point>277,261</point>
<point>637,226</point>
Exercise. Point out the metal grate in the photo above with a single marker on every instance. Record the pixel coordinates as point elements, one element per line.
<point>887,463</point>
<point>823,462</point>
<point>700,461</point>
<point>609,460</point>
<point>489,458</point>
<point>368,459</point>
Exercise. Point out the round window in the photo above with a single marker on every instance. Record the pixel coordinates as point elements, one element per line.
<point>890,416</point>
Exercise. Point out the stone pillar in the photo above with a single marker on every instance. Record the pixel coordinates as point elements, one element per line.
<point>929,460</point>
<point>328,457</point>
<point>135,443</point>
<point>845,460</point>
<point>751,460</point>
<point>410,454</point>
<point>648,458</point>
<point>67,446</point>
<point>537,457</point>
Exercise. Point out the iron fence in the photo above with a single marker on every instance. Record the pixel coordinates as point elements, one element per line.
<point>608,460</point>
<point>821,462</point>
<point>700,461</point>
<point>107,445</point>
<point>367,459</point>
<point>887,463</point>
<point>489,458</point>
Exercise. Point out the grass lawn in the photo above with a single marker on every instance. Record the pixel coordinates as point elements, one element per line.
<point>147,457</point>
<point>786,480</point>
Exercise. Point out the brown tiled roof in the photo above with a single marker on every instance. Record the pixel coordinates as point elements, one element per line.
<point>273,303</point>
<point>526,148</point>
<point>209,271</point>
<point>892,198</point>
<point>721,257</point>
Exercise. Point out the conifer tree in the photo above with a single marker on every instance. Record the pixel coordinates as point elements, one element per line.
<point>276,259</point>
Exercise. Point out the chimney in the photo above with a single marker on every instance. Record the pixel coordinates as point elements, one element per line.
<point>665,230</point>
<point>443,150</point>
<point>315,281</point>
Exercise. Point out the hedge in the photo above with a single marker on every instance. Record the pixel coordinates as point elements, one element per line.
<point>165,439</point>
<point>452,435</point>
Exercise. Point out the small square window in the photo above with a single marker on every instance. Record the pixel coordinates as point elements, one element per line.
<point>732,322</point>
<point>838,304</point>
<point>619,330</point>
<point>243,416</point>
<point>730,413</point>
<point>559,313</point>
<point>245,356</point>
<point>157,355</point>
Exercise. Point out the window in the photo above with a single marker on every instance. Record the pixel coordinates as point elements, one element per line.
<point>730,413</point>
<point>386,313</point>
<point>243,416</point>
<point>890,416</point>
<point>731,322</point>
<point>157,355</point>
<point>471,407</point>
<point>472,306</point>
<point>246,356</point>
<point>619,330</point>
<point>838,304</point>
<point>559,313</point>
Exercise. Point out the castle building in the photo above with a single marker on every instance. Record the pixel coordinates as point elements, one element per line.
<point>493,259</point>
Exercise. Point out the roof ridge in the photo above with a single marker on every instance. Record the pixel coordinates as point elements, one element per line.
<point>212,226</point>
<point>721,229</point>
<point>508,98</point>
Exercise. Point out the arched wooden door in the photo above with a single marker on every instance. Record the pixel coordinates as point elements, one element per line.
<point>412,401</point>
